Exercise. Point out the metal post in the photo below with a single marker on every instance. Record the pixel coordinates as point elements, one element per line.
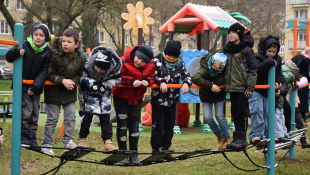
<point>17,102</point>
<point>271,121</point>
<point>292,104</point>
<point>140,36</point>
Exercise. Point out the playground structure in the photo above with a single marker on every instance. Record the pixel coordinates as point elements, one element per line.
<point>73,154</point>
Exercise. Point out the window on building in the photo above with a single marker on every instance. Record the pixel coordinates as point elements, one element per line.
<point>71,25</point>
<point>126,40</point>
<point>272,27</point>
<point>252,9</point>
<point>20,6</point>
<point>152,41</point>
<point>282,33</point>
<point>102,15</point>
<point>281,42</point>
<point>4,27</point>
<point>101,37</point>
<point>191,40</point>
<point>112,37</point>
<point>281,49</point>
<point>301,14</point>
<point>7,3</point>
<point>282,11</point>
<point>262,25</point>
<point>301,36</point>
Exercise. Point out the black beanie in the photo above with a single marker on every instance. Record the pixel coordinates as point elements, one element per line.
<point>173,47</point>
<point>238,28</point>
<point>145,52</point>
<point>45,30</point>
<point>103,59</point>
<point>303,66</point>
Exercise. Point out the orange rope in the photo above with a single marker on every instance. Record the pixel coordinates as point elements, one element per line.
<point>9,42</point>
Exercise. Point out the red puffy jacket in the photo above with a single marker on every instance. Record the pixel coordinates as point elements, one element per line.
<point>129,74</point>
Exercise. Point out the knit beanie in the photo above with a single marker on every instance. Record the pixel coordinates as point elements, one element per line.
<point>103,59</point>
<point>218,62</point>
<point>45,30</point>
<point>238,28</point>
<point>173,47</point>
<point>303,66</point>
<point>145,52</point>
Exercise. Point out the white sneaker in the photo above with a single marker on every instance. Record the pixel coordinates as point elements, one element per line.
<point>70,145</point>
<point>48,151</point>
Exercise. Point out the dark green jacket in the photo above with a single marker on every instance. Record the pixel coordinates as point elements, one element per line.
<point>205,80</point>
<point>63,66</point>
<point>241,70</point>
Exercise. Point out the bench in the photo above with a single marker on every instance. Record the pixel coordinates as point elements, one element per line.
<point>6,102</point>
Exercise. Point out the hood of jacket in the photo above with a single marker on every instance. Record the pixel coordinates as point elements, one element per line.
<point>246,41</point>
<point>56,48</point>
<point>264,44</point>
<point>130,52</point>
<point>293,67</point>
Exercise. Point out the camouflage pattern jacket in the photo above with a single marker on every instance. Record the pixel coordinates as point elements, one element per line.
<point>96,101</point>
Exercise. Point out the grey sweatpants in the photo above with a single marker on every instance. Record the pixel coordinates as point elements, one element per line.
<point>30,115</point>
<point>52,111</point>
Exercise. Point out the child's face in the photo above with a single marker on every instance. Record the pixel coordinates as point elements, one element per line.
<point>138,62</point>
<point>68,44</point>
<point>271,52</point>
<point>171,58</point>
<point>99,70</point>
<point>38,37</point>
<point>233,37</point>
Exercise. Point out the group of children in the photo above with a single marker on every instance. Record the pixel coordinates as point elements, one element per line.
<point>65,65</point>
<point>236,66</point>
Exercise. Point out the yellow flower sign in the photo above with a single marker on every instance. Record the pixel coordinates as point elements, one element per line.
<point>135,16</point>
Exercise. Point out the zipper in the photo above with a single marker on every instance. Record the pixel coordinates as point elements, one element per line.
<point>230,73</point>
<point>136,88</point>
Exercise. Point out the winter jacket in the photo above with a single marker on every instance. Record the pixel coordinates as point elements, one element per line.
<point>130,73</point>
<point>63,66</point>
<point>96,101</point>
<point>35,66</point>
<point>205,80</point>
<point>162,74</point>
<point>240,71</point>
<point>290,72</point>
<point>264,64</point>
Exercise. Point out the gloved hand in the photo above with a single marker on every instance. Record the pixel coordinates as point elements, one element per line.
<point>102,89</point>
<point>94,87</point>
<point>248,94</point>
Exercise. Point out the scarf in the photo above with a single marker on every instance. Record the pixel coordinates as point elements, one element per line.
<point>170,65</point>
<point>211,71</point>
<point>35,47</point>
<point>234,48</point>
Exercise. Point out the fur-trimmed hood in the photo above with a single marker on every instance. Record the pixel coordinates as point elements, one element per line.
<point>56,48</point>
<point>293,67</point>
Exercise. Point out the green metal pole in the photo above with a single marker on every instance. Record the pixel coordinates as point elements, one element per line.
<point>17,102</point>
<point>292,104</point>
<point>271,121</point>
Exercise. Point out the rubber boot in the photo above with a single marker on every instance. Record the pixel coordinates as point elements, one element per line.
<point>81,142</point>
<point>303,142</point>
<point>239,141</point>
<point>226,141</point>
<point>108,147</point>
<point>220,141</point>
<point>134,159</point>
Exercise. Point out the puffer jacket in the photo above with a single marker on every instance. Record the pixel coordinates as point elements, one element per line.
<point>205,80</point>
<point>63,66</point>
<point>241,70</point>
<point>129,74</point>
<point>96,101</point>
<point>35,66</point>
<point>169,77</point>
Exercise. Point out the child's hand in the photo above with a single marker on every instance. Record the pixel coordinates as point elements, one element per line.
<point>185,88</point>
<point>145,83</point>
<point>163,87</point>
<point>136,83</point>
<point>68,83</point>
<point>275,63</point>
<point>30,92</point>
<point>277,93</point>
<point>22,52</point>
<point>215,89</point>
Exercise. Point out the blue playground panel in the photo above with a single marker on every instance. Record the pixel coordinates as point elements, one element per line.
<point>191,59</point>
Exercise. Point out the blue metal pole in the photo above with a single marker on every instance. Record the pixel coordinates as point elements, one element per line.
<point>292,104</point>
<point>17,102</point>
<point>271,121</point>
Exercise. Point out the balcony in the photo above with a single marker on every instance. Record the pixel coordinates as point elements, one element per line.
<point>299,2</point>
<point>300,45</point>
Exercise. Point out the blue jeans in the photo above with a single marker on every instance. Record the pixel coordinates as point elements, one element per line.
<point>280,129</point>
<point>259,116</point>
<point>219,115</point>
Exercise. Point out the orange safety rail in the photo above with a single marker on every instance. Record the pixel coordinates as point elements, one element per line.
<point>153,86</point>
<point>9,42</point>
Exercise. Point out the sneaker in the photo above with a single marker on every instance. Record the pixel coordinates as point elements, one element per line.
<point>25,141</point>
<point>48,151</point>
<point>124,162</point>
<point>169,157</point>
<point>306,123</point>
<point>34,145</point>
<point>260,145</point>
<point>134,160</point>
<point>82,142</point>
<point>70,145</point>
<point>255,140</point>
<point>156,151</point>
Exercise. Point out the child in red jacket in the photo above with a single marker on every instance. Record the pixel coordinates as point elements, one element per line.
<point>138,70</point>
